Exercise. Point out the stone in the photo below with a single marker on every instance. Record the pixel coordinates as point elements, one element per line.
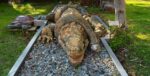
<point>44,62</point>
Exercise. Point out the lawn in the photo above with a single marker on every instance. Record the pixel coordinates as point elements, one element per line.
<point>138,16</point>
<point>138,34</point>
<point>12,43</point>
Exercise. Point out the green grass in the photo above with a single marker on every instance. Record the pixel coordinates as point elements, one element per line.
<point>104,14</point>
<point>12,43</point>
<point>138,15</point>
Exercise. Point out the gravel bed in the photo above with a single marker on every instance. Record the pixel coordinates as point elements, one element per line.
<point>51,60</point>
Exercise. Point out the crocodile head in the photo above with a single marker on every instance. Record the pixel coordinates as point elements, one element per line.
<point>75,42</point>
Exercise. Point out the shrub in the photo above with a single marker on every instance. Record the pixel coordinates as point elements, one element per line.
<point>120,40</point>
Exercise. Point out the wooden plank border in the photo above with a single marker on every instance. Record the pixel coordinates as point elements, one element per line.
<point>23,55</point>
<point>114,58</point>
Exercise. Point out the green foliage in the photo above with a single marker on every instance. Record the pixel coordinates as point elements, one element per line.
<point>94,10</point>
<point>103,14</point>
<point>120,40</point>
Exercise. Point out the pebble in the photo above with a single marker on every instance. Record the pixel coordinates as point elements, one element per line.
<point>51,60</point>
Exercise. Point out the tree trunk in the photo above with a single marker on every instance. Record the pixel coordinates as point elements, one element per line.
<point>120,13</point>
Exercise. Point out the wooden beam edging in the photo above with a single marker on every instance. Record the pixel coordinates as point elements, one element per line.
<point>114,58</point>
<point>23,55</point>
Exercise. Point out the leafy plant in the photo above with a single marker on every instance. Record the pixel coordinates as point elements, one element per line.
<point>121,39</point>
